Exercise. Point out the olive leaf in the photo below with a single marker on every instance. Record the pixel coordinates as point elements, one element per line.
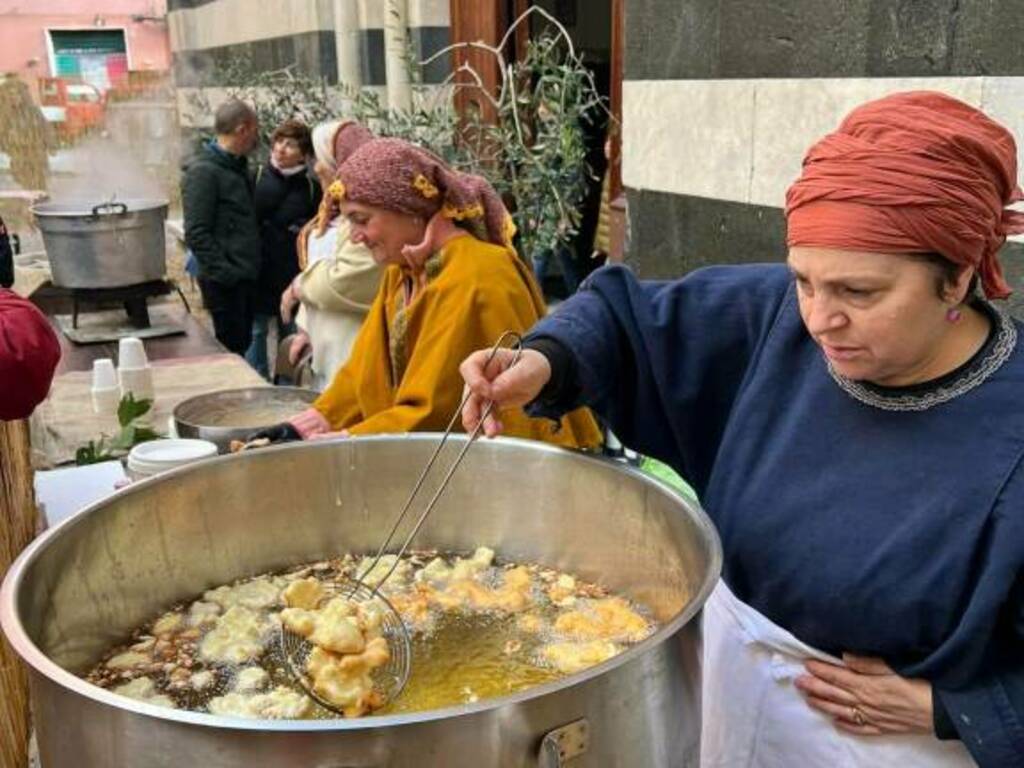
<point>129,409</point>
<point>129,435</point>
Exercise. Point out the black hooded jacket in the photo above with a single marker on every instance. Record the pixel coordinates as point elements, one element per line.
<point>220,217</point>
<point>283,205</point>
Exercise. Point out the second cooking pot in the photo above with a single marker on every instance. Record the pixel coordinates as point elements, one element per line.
<point>96,244</point>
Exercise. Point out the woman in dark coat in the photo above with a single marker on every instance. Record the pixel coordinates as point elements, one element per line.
<point>853,425</point>
<point>287,196</point>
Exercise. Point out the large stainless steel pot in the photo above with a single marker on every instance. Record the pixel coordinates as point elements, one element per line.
<point>83,585</point>
<point>202,416</point>
<point>92,244</point>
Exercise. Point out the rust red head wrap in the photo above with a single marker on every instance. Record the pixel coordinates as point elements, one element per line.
<point>399,176</point>
<point>334,141</point>
<point>915,172</point>
<point>349,137</point>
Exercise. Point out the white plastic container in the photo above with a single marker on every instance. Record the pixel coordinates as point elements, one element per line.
<point>133,371</point>
<point>138,381</point>
<point>105,391</point>
<point>134,374</point>
<point>131,353</point>
<point>156,456</point>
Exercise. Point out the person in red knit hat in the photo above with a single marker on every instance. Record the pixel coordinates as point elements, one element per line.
<point>29,353</point>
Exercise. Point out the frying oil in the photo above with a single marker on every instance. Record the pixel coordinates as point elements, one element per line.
<point>467,657</point>
<point>458,657</point>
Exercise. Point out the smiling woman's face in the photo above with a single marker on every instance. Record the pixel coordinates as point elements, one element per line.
<point>878,317</point>
<point>287,152</point>
<point>384,232</point>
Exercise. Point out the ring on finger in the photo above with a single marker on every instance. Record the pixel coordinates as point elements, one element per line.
<point>858,716</point>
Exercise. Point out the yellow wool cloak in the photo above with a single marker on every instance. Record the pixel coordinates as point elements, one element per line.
<point>403,373</point>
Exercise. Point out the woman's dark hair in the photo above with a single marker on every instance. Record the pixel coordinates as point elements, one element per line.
<point>947,273</point>
<point>296,130</point>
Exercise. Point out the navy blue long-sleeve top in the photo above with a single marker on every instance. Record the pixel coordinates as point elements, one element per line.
<point>888,533</point>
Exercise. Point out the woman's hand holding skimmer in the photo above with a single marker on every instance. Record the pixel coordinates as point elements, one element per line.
<point>507,387</point>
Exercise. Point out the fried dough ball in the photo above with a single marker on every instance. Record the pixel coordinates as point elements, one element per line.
<point>168,623</point>
<point>575,657</point>
<point>413,606</point>
<point>255,594</point>
<point>250,679</point>
<point>468,568</point>
<point>530,623</point>
<point>611,618</point>
<point>347,647</point>
<point>344,680</point>
<point>563,592</point>
<point>512,596</point>
<point>373,577</point>
<point>436,570</point>
<point>237,638</point>
<point>278,704</point>
<point>128,660</point>
<point>143,689</point>
<point>334,627</point>
<point>303,593</point>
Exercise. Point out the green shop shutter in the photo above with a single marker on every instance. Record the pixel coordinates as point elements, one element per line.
<point>72,42</point>
<point>68,65</point>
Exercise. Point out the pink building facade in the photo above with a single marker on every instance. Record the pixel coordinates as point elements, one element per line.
<point>92,41</point>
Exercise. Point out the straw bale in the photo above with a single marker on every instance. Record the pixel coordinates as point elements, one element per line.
<point>18,519</point>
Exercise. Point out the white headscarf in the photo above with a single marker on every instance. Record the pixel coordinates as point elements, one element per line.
<point>323,143</point>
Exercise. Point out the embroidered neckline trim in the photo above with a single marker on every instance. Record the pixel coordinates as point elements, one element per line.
<point>1002,347</point>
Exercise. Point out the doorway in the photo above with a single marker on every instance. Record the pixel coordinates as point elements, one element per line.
<point>590,25</point>
<point>595,28</point>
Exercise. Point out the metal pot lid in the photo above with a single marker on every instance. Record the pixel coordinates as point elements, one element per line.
<point>93,206</point>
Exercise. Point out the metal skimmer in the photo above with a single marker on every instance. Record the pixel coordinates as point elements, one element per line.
<point>389,679</point>
<point>392,677</point>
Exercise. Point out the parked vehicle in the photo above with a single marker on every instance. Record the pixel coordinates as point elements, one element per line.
<point>72,108</point>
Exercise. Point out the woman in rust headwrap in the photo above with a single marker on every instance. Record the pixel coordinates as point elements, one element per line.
<point>451,283</point>
<point>853,425</point>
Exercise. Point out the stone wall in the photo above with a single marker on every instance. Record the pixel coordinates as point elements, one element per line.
<point>722,97</point>
<point>339,40</point>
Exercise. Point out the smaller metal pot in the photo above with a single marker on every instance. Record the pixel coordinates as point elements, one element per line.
<point>104,245</point>
<point>234,414</point>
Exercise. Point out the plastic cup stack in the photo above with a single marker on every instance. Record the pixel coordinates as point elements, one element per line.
<point>105,391</point>
<point>133,371</point>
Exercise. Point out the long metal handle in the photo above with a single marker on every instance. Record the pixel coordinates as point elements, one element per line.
<point>517,346</point>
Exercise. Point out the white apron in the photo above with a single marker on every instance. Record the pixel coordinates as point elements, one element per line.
<point>754,717</point>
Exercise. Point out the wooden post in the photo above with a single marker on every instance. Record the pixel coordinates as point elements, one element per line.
<point>17,528</point>
<point>522,37</point>
<point>618,41</point>
<point>618,195</point>
<point>472,21</point>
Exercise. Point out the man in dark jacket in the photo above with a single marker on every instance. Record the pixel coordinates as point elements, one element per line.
<point>220,223</point>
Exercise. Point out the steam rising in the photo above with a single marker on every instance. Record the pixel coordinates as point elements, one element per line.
<point>101,169</point>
